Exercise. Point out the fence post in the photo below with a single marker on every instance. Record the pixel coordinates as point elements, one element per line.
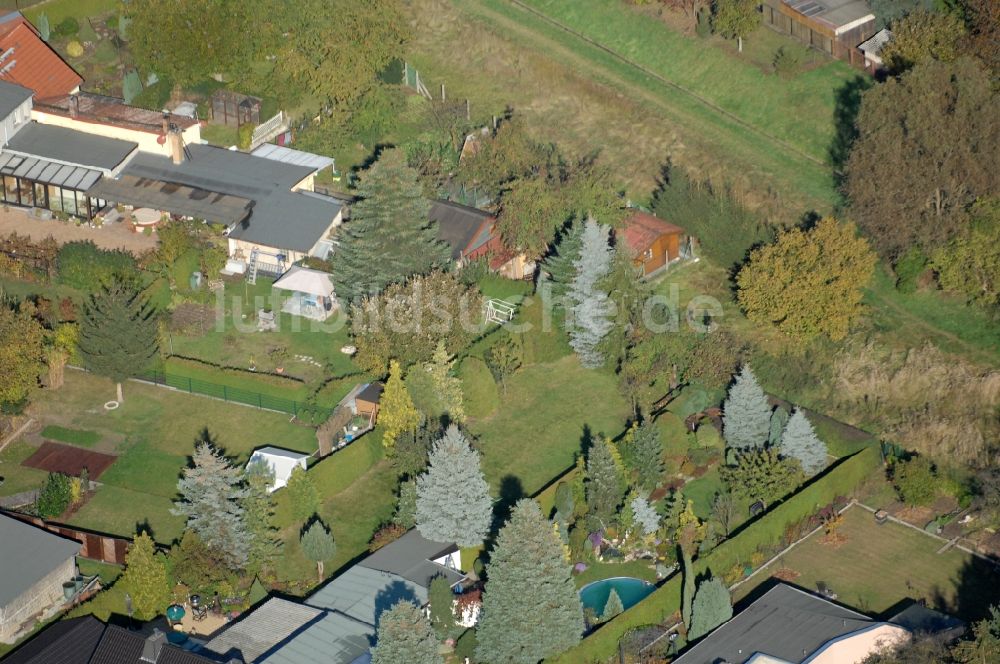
<point>260,405</point>
<point>190,387</point>
<point>225,393</point>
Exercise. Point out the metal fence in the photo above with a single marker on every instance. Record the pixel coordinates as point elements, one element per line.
<point>259,400</point>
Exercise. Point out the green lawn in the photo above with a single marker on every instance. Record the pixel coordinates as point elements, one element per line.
<point>18,478</point>
<point>878,566</point>
<point>57,10</point>
<point>541,422</point>
<point>76,437</point>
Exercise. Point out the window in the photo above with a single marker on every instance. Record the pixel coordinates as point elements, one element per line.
<point>10,190</point>
<point>26,190</point>
<point>648,254</point>
<point>55,199</point>
<point>40,200</point>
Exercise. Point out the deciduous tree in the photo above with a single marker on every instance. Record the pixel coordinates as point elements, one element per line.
<point>735,19</point>
<point>970,263</point>
<point>212,493</point>
<point>397,413</point>
<point>145,578</point>
<point>453,497</point>
<point>118,334</point>
<point>21,354</point>
<point>405,635</point>
<point>918,162</point>
<point>799,441</point>
<point>503,359</point>
<point>318,545</point>
<point>746,414</point>
<point>712,607</point>
<point>921,36</point>
<point>390,236</point>
<point>808,283</point>
<point>528,569</point>
<point>645,455</point>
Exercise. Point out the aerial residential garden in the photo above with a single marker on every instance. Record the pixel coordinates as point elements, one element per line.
<point>807,394</point>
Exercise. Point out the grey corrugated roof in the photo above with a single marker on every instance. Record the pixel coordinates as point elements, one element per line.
<point>411,558</point>
<point>29,554</point>
<point>279,217</point>
<point>174,198</point>
<point>835,13</point>
<point>49,172</point>
<point>66,642</point>
<point>12,96</point>
<point>270,624</point>
<point>785,622</point>
<point>332,639</point>
<point>277,451</point>
<point>285,155</point>
<point>70,146</point>
<point>457,224</point>
<point>363,594</point>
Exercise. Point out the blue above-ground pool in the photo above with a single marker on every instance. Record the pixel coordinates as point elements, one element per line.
<point>630,591</point>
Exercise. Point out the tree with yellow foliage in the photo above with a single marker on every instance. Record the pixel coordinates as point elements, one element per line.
<point>397,414</point>
<point>808,282</point>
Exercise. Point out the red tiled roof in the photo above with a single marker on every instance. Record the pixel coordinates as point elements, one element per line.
<point>32,63</point>
<point>642,230</point>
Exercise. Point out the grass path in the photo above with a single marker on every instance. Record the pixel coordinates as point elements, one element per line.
<point>803,179</point>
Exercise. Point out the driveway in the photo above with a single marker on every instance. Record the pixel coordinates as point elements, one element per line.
<point>108,236</point>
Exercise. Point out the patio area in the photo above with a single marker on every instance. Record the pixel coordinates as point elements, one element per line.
<point>107,236</point>
<point>310,293</point>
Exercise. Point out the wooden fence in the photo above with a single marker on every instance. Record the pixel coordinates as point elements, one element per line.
<point>95,546</point>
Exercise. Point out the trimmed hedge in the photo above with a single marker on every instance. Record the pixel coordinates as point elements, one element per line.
<point>840,480</point>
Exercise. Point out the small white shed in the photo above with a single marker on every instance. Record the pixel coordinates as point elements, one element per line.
<point>281,462</point>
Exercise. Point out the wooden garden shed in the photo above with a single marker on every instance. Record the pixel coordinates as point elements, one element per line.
<point>835,27</point>
<point>234,109</point>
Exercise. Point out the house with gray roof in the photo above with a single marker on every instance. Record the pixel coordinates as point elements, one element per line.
<point>787,625</point>
<point>36,564</point>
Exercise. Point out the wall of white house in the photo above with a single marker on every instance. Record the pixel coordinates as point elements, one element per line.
<point>452,560</point>
<point>13,122</point>
<point>35,600</point>
<point>146,139</point>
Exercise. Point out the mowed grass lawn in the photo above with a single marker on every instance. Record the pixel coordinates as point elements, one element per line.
<point>878,566</point>
<point>154,432</point>
<point>542,421</point>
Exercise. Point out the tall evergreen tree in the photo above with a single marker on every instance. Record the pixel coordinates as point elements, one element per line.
<point>799,441</point>
<point>265,542</point>
<point>405,635</point>
<point>746,415</point>
<point>645,516</point>
<point>605,482</point>
<point>712,607</point>
<point>453,498</point>
<point>318,545</point>
<point>118,333</point>
<point>690,532</point>
<point>212,495</point>
<point>406,505</point>
<point>390,236</point>
<point>397,414</point>
<point>591,306</point>
<point>612,607</point>
<point>779,420</point>
<point>145,578</point>
<point>531,609</point>
<point>646,454</point>
<point>447,386</point>
<point>303,494</point>
<point>558,267</point>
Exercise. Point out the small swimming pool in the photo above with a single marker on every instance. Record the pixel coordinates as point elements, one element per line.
<point>630,590</point>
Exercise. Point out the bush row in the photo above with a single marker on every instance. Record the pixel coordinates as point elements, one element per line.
<point>840,480</point>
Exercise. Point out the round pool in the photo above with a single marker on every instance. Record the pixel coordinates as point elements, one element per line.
<point>630,591</point>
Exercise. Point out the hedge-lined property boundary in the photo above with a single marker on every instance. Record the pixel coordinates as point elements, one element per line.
<point>841,480</point>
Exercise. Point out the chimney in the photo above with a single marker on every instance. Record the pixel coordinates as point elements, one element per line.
<point>153,646</point>
<point>175,142</point>
<point>166,123</point>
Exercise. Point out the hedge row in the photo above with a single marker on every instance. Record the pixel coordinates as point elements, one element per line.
<point>840,480</point>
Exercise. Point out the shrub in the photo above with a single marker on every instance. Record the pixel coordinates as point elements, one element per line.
<point>703,24</point>
<point>909,269</point>
<point>74,49</point>
<point>787,61</point>
<point>480,390</point>
<point>386,535</point>
<point>55,496</point>
<point>85,266</point>
<point>67,27</point>
<point>244,136</point>
<point>915,481</point>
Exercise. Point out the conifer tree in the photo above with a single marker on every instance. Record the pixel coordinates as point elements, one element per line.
<point>390,236</point>
<point>712,607</point>
<point>646,452</point>
<point>746,415</point>
<point>118,333</point>
<point>779,420</point>
<point>447,385</point>
<point>690,532</point>
<point>265,543</point>
<point>605,482</point>
<point>212,495</point>
<point>397,413</point>
<point>645,516</point>
<point>318,545</point>
<point>799,441</point>
<point>531,609</point>
<point>303,494</point>
<point>591,306</point>
<point>405,635</point>
<point>453,498</point>
<point>612,607</point>
<point>145,578</point>
<point>559,267</point>
<point>441,598</point>
<point>406,505</point>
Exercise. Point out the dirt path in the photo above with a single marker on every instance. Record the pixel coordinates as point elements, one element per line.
<point>111,236</point>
